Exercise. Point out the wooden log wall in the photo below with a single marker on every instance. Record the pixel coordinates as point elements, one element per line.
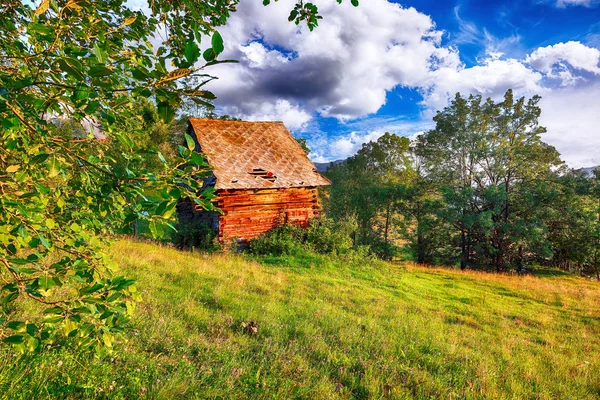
<point>249,213</point>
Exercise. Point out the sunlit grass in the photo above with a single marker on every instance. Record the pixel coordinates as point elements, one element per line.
<point>332,329</point>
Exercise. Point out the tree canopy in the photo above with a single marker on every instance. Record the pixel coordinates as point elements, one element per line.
<point>480,190</point>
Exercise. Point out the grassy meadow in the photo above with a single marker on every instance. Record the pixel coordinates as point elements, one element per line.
<point>330,328</point>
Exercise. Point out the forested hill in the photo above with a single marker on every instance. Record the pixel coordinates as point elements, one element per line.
<point>588,171</point>
<point>323,166</point>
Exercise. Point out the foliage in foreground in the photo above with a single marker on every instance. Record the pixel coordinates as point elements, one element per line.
<point>92,63</point>
<point>329,328</point>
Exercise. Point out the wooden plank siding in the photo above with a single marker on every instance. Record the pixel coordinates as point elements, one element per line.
<point>248,213</point>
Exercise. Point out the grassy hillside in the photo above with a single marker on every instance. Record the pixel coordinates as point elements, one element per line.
<point>331,329</point>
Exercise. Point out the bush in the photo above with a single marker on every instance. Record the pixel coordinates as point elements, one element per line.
<point>195,234</point>
<point>323,236</point>
<point>282,240</point>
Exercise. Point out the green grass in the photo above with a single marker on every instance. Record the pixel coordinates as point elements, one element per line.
<point>331,329</point>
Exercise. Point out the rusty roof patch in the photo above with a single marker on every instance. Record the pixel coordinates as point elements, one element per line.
<point>236,148</point>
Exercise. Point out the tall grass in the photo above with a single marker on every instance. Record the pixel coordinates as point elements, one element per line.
<point>330,328</point>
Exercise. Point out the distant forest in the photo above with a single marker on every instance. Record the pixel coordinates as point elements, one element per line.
<point>481,190</point>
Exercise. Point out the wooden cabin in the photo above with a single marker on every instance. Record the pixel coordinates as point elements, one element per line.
<point>261,176</point>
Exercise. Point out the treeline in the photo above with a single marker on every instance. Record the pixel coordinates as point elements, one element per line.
<point>481,190</point>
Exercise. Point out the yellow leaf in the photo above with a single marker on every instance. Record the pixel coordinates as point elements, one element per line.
<point>13,168</point>
<point>107,338</point>
<point>176,74</point>
<point>73,4</point>
<point>129,21</point>
<point>43,7</point>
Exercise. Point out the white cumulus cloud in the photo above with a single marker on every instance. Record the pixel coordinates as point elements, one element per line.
<point>347,67</point>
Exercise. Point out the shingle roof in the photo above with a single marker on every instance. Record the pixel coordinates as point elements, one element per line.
<point>254,155</point>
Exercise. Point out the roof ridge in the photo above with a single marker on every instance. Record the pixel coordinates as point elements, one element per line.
<point>230,120</point>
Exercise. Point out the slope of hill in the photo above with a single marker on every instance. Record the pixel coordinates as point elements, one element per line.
<point>588,171</point>
<point>223,326</point>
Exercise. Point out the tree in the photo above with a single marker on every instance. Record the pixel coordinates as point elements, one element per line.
<point>594,258</point>
<point>369,186</point>
<point>425,231</point>
<point>451,154</point>
<point>302,143</point>
<point>491,167</point>
<point>63,197</point>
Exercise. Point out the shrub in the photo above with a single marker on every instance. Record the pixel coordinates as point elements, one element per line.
<point>325,235</point>
<point>195,234</point>
<point>282,240</point>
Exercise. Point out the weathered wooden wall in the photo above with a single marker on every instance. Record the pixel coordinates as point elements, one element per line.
<point>247,213</point>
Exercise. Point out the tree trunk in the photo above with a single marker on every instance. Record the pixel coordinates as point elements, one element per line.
<point>520,260</point>
<point>463,250</point>
<point>420,244</point>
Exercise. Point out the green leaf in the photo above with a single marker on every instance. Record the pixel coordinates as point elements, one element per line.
<point>14,339</point>
<point>191,52</point>
<point>16,326</point>
<point>140,73</point>
<point>82,92</point>
<point>354,3</point>
<point>125,139</point>
<point>72,67</point>
<point>32,344</point>
<point>198,160</point>
<point>10,297</point>
<point>217,43</point>
<point>91,289</point>
<point>175,193</point>
<point>40,158</point>
<point>39,28</point>
<point>92,107</point>
<point>53,310</point>
<point>46,282</point>
<point>31,329</point>
<point>101,55</point>
<point>191,144</point>
<point>166,112</point>
<point>44,242</point>
<point>10,122</point>
<point>209,55</point>
<point>50,224</point>
<point>153,231</point>
<point>99,71</point>
<point>161,208</point>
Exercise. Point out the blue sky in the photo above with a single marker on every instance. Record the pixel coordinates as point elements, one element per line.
<point>387,66</point>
